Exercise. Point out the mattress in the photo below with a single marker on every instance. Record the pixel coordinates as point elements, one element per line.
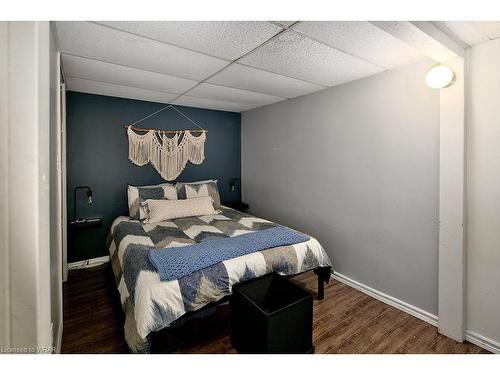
<point>151,304</point>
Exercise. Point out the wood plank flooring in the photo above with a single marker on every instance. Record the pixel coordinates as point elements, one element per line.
<point>346,321</point>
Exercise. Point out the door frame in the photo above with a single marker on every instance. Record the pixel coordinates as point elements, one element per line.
<point>62,172</point>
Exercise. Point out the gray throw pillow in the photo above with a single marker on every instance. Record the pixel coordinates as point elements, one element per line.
<point>199,189</point>
<point>138,194</point>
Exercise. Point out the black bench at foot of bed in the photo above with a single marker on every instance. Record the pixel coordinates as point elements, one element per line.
<point>272,315</point>
<point>212,318</point>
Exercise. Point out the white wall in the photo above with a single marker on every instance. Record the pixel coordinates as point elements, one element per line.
<point>55,196</point>
<point>452,259</point>
<point>27,172</point>
<point>28,184</point>
<point>483,191</point>
<point>4,191</point>
<point>356,166</point>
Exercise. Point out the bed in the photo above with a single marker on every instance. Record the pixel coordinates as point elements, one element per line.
<point>151,305</point>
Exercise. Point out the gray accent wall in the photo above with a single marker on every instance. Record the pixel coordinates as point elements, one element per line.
<point>97,156</point>
<point>357,167</point>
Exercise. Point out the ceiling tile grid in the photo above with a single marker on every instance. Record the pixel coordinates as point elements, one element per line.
<point>361,39</point>
<point>471,33</point>
<point>217,92</point>
<point>108,89</point>
<point>297,56</point>
<point>103,43</point>
<point>464,32</point>
<point>240,65</point>
<point>283,24</point>
<point>415,37</point>
<point>224,39</point>
<point>80,67</point>
<point>220,105</point>
<point>252,79</point>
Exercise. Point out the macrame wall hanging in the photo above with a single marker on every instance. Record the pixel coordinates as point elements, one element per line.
<point>168,155</point>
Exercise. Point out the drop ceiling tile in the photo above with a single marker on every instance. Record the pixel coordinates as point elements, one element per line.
<point>363,40</point>
<point>216,92</point>
<point>490,28</point>
<point>226,39</point>
<point>103,43</point>
<point>418,39</point>
<point>252,79</point>
<point>283,24</point>
<point>464,31</point>
<point>80,67</point>
<point>219,105</point>
<point>297,56</point>
<point>103,88</point>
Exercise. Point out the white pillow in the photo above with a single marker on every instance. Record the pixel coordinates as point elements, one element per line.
<point>162,209</point>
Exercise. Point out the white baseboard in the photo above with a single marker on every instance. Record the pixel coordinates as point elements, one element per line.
<point>472,337</point>
<point>88,263</point>
<point>483,342</point>
<point>390,300</point>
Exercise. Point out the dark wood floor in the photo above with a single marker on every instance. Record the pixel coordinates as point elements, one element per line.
<point>346,321</point>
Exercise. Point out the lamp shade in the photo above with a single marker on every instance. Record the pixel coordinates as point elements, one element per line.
<point>439,77</point>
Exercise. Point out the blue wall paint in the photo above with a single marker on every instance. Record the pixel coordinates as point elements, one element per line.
<point>97,156</point>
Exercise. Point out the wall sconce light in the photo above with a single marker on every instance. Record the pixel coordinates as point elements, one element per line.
<point>234,184</point>
<point>439,77</point>
<point>89,199</point>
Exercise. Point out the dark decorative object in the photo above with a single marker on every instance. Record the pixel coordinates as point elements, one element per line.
<point>272,315</point>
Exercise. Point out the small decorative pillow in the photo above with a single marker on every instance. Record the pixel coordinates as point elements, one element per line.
<point>138,194</point>
<point>187,190</point>
<point>162,209</point>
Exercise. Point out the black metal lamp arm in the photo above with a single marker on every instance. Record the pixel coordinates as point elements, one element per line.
<point>89,196</point>
<point>236,186</point>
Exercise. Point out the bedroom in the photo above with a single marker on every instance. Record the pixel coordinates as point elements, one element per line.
<point>250,186</point>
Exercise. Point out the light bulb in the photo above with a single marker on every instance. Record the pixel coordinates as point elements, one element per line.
<point>439,77</point>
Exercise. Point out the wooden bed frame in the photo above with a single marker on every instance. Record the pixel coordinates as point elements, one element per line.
<point>175,336</point>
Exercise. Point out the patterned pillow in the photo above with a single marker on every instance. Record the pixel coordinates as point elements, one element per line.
<point>138,194</point>
<point>186,190</point>
<point>161,210</point>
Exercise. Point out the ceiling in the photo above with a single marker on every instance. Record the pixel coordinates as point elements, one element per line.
<point>234,65</point>
<point>470,33</point>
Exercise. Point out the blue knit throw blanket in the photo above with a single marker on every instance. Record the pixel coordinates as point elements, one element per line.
<point>175,263</point>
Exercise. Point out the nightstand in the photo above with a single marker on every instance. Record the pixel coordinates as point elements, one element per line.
<point>87,222</point>
<point>239,206</point>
